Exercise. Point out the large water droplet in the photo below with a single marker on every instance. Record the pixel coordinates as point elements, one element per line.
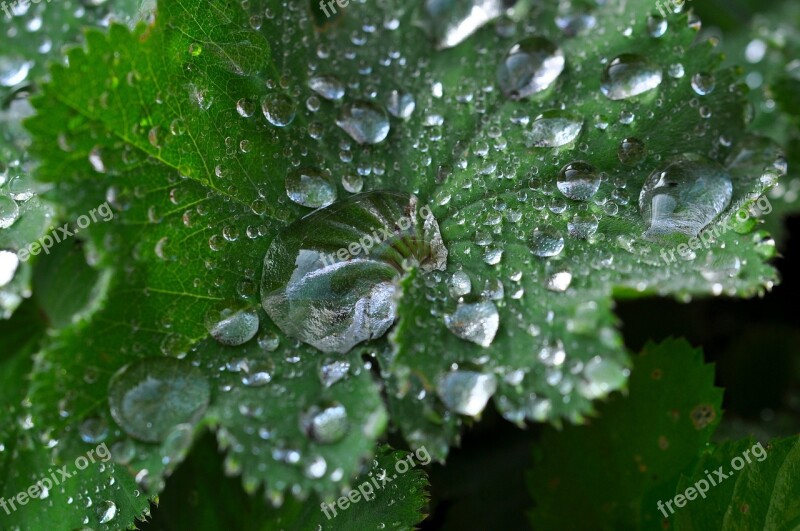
<point>466,392</point>
<point>331,278</point>
<point>311,188</point>
<point>529,67</point>
<point>684,195</point>
<point>578,180</point>
<point>450,22</point>
<point>476,322</point>
<point>365,122</point>
<point>150,397</point>
<point>554,128</point>
<point>232,327</point>
<point>629,75</point>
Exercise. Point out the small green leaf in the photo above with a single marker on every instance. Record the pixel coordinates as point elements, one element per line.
<point>747,486</point>
<point>633,453</point>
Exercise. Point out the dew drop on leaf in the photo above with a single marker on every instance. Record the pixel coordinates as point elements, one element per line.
<point>310,187</point>
<point>328,87</point>
<point>629,75</point>
<point>684,195</point>
<point>9,211</point>
<point>400,104</point>
<point>578,180</point>
<point>365,122</point>
<point>148,398</point>
<point>466,392</point>
<point>331,278</point>
<point>279,110</point>
<point>546,242</point>
<point>475,322</point>
<point>450,22</point>
<point>554,128</point>
<point>325,425</point>
<point>232,327</point>
<point>529,67</point>
<point>631,151</point>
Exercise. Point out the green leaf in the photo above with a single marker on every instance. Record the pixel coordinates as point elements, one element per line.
<point>633,454</point>
<point>218,501</point>
<point>747,486</point>
<point>163,122</point>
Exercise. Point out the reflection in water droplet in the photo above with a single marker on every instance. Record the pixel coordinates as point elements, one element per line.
<point>629,75</point>
<point>554,128</point>
<point>149,397</point>
<point>578,180</point>
<point>684,195</point>
<point>476,322</point>
<point>331,278</point>
<point>466,392</point>
<point>310,187</point>
<point>529,67</point>
<point>365,122</point>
